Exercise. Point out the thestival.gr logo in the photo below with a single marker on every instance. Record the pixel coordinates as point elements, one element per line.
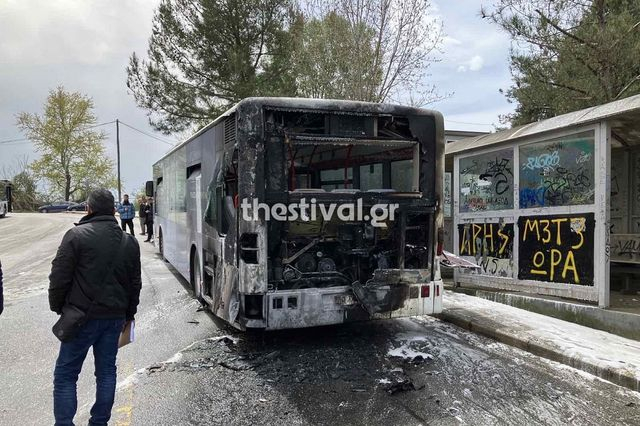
<point>377,215</point>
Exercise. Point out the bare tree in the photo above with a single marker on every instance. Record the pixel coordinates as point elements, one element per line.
<point>390,46</point>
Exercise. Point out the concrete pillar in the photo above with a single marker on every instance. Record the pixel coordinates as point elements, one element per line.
<point>602,199</point>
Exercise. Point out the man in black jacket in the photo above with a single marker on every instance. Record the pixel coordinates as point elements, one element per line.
<point>142,213</point>
<point>80,275</point>
<point>149,219</point>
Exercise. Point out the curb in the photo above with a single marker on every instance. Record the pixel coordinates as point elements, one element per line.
<point>620,323</point>
<point>619,377</point>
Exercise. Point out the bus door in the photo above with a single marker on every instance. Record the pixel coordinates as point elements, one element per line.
<point>194,209</point>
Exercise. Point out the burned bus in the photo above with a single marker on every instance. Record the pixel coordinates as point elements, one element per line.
<point>287,213</point>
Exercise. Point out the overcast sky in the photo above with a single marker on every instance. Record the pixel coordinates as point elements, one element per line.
<point>85,46</point>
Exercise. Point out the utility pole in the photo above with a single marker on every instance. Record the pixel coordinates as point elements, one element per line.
<point>118,149</point>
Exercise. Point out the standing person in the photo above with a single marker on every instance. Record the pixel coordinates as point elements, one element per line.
<point>149,220</point>
<point>127,213</point>
<point>96,270</point>
<point>142,214</point>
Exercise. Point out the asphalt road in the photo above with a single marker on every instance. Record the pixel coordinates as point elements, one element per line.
<point>409,371</point>
<point>28,349</point>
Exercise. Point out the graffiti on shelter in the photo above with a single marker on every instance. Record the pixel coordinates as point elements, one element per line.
<point>490,245</point>
<point>557,173</point>
<point>557,248</point>
<point>486,181</point>
<point>625,248</point>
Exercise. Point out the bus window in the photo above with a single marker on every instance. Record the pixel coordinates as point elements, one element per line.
<point>402,175</point>
<point>217,214</point>
<point>303,180</point>
<point>371,177</point>
<point>335,179</point>
<point>211,214</point>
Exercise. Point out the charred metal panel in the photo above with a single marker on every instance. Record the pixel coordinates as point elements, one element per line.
<point>377,297</point>
<point>425,129</point>
<point>251,161</point>
<point>213,242</point>
<point>314,307</point>
<point>388,290</point>
<point>338,305</point>
<point>229,307</point>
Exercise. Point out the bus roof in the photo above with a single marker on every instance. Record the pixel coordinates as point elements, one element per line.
<point>329,105</point>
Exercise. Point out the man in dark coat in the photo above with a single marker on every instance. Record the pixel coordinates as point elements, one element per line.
<point>142,213</point>
<point>79,275</point>
<point>149,220</point>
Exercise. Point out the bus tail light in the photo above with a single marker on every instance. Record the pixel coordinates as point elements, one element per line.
<point>425,291</point>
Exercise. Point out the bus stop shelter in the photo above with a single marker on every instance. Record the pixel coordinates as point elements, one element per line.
<point>551,207</point>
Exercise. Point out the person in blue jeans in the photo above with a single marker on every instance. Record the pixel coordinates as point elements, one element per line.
<point>102,335</point>
<point>78,276</point>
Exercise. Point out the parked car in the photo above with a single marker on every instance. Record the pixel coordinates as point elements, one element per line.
<point>79,207</point>
<point>57,206</point>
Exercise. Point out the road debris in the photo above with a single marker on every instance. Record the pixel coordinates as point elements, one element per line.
<point>155,368</point>
<point>401,386</point>
<point>412,348</point>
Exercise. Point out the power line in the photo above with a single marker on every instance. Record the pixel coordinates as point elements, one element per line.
<point>29,140</point>
<point>14,140</point>
<point>16,143</point>
<point>101,124</point>
<point>147,134</point>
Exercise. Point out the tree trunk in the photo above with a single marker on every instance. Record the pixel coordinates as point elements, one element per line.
<point>67,187</point>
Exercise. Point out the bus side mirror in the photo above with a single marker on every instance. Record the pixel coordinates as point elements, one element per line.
<point>148,188</point>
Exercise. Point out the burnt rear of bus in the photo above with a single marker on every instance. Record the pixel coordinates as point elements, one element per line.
<point>314,270</point>
<point>320,271</point>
